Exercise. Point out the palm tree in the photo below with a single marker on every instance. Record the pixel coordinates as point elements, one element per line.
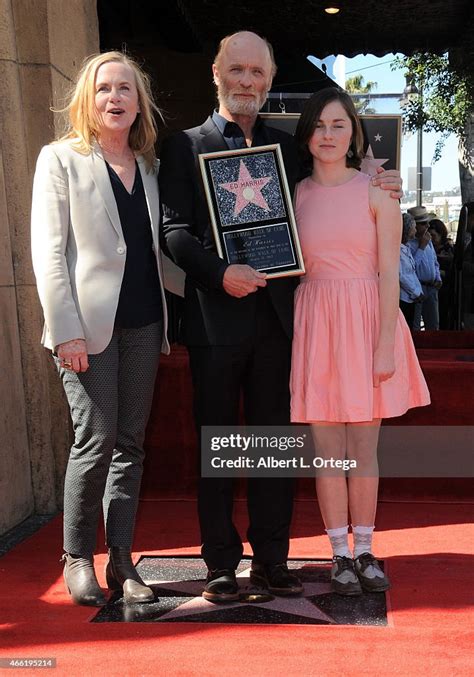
<point>356,85</point>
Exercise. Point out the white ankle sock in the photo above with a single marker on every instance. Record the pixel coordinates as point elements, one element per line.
<point>339,541</point>
<point>362,539</point>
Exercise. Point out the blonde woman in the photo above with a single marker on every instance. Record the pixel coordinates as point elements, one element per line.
<point>97,263</point>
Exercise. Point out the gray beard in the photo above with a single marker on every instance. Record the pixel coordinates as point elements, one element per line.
<point>236,107</point>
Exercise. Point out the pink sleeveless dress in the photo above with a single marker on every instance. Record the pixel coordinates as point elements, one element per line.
<point>337,314</point>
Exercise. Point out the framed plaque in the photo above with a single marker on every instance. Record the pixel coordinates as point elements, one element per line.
<point>251,210</point>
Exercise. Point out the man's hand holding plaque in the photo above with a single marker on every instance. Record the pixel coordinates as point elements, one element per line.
<point>242,280</point>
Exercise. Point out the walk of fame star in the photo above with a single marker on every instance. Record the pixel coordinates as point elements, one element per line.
<point>298,606</point>
<point>178,584</point>
<point>247,189</point>
<point>370,163</point>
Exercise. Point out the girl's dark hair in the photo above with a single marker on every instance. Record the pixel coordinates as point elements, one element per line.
<point>309,119</point>
<point>438,226</point>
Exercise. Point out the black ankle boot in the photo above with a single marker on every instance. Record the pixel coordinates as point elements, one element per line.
<point>122,575</point>
<point>81,581</point>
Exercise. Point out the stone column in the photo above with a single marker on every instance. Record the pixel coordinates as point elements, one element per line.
<point>42,44</point>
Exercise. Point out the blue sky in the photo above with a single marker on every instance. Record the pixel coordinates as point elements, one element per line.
<point>445,173</point>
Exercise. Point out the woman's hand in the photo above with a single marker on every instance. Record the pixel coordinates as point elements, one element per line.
<point>384,365</point>
<point>73,355</point>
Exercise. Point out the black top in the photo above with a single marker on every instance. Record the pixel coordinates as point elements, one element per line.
<point>140,296</point>
<point>234,136</point>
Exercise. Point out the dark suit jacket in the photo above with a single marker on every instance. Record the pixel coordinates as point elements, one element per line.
<point>211,316</point>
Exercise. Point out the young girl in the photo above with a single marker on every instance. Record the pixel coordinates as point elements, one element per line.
<point>353,360</point>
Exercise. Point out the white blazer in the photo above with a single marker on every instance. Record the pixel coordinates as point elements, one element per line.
<point>78,245</point>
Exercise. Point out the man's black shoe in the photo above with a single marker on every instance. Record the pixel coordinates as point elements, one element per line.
<point>275,578</point>
<point>221,586</point>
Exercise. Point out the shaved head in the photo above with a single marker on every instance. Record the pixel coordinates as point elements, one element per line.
<point>243,38</point>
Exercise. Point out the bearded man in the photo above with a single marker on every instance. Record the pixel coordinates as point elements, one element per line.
<point>237,325</point>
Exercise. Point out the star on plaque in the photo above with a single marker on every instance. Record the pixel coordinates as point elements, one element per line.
<point>247,189</point>
<point>378,137</point>
<point>370,164</point>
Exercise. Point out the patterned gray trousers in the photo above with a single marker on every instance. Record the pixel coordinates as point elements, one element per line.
<point>110,404</point>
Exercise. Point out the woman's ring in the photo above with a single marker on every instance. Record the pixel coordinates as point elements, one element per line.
<point>67,365</point>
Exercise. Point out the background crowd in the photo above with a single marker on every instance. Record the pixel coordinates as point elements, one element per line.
<point>426,271</point>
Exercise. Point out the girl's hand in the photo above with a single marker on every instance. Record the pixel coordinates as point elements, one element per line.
<point>384,365</point>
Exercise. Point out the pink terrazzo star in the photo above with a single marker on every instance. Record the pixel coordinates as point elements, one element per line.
<point>369,163</point>
<point>247,190</point>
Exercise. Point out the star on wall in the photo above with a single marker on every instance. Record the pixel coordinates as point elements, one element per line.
<point>370,163</point>
<point>247,189</point>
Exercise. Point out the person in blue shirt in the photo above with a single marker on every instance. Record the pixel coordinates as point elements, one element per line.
<point>427,270</point>
<point>410,286</point>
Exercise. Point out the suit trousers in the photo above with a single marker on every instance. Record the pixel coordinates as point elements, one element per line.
<point>110,404</point>
<point>257,369</point>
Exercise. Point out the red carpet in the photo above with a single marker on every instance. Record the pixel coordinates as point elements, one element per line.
<point>427,547</point>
